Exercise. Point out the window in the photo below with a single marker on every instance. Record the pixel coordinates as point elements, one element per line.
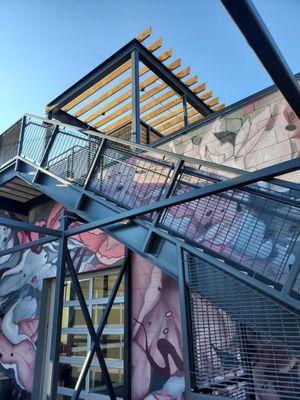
<point>76,341</point>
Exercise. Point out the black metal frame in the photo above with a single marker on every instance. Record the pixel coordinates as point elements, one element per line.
<point>259,38</point>
<point>135,51</point>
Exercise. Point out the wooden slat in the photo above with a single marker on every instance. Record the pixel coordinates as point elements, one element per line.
<point>159,88</point>
<point>176,111</point>
<point>191,120</point>
<point>175,121</point>
<point>212,102</point>
<point>17,195</point>
<point>144,35</point>
<point>143,85</point>
<point>181,74</point>
<point>219,107</point>
<point>189,82</point>
<point>110,77</point>
<point>13,197</point>
<point>168,105</point>
<point>125,82</point>
<point>21,188</point>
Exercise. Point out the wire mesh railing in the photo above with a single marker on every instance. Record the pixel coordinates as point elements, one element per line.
<point>244,345</point>
<point>255,227</point>
<point>256,231</point>
<point>9,143</point>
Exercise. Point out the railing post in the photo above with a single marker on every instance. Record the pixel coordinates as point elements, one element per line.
<point>20,145</point>
<point>157,216</point>
<point>48,147</point>
<point>135,95</point>
<point>91,173</point>
<point>185,323</point>
<point>57,312</point>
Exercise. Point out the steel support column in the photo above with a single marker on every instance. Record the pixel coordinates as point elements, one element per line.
<point>127,325</point>
<point>57,313</point>
<point>135,96</point>
<point>252,26</point>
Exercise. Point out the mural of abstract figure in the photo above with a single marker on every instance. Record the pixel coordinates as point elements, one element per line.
<point>21,283</point>
<point>157,362</point>
<point>264,132</point>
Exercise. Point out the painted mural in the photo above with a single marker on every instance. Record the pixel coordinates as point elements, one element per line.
<point>21,282</point>
<point>157,362</point>
<point>264,132</point>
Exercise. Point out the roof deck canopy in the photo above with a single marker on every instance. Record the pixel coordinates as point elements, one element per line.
<point>136,94</point>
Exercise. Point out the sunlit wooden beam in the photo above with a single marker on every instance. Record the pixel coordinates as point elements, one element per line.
<point>121,85</point>
<point>181,74</point>
<point>110,77</point>
<point>175,112</point>
<point>143,85</point>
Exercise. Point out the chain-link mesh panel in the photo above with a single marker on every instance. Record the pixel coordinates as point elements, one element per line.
<point>71,155</point>
<point>129,179</point>
<point>35,139</point>
<point>9,143</point>
<point>258,232</point>
<point>245,345</point>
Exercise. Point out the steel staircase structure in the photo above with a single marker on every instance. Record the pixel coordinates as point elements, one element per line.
<point>197,221</point>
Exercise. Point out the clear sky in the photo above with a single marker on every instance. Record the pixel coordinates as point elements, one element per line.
<point>47,45</point>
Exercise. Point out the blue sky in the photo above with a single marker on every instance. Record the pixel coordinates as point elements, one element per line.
<point>47,45</point>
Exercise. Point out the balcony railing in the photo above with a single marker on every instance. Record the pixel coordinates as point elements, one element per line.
<point>254,227</point>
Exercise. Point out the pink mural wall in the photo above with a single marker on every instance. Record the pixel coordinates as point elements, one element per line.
<point>264,132</point>
<point>21,282</point>
<point>157,362</point>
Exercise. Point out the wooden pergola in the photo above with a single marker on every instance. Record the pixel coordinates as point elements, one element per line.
<point>106,104</point>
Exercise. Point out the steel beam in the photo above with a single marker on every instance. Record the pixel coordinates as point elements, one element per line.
<point>171,80</point>
<point>29,245</point>
<point>252,26</point>
<point>24,226</point>
<point>67,118</point>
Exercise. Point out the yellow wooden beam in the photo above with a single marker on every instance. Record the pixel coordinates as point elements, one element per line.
<point>125,82</point>
<point>167,106</point>
<point>181,74</point>
<point>191,120</point>
<point>176,111</point>
<point>144,84</point>
<point>219,107</point>
<point>144,35</point>
<point>110,77</point>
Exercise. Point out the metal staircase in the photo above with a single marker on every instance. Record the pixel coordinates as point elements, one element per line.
<point>237,232</point>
